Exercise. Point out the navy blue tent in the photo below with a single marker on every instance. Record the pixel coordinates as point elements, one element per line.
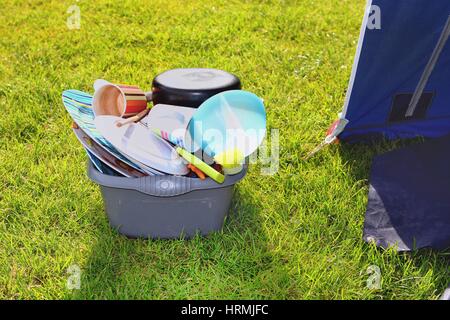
<point>400,83</point>
<point>400,88</point>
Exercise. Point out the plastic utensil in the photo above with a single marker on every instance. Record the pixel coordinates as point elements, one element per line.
<point>190,158</point>
<point>210,172</point>
<point>197,171</point>
<point>135,118</point>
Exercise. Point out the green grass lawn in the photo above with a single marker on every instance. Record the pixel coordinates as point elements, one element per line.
<point>293,235</point>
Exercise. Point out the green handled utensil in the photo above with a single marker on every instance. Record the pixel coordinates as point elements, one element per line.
<point>189,157</point>
<point>211,172</point>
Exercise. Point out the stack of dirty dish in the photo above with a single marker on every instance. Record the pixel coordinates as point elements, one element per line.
<point>200,125</point>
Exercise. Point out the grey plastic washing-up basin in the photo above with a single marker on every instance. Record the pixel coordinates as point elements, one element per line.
<point>165,206</point>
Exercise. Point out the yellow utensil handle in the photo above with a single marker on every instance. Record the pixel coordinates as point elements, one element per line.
<point>211,172</point>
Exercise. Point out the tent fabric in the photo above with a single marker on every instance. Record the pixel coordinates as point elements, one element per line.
<point>409,197</point>
<point>387,69</point>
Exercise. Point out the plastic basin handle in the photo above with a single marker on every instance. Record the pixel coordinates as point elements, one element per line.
<point>160,186</point>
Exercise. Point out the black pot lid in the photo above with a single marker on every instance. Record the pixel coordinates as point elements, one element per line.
<point>191,86</point>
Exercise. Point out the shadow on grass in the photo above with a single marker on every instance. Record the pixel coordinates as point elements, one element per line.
<point>358,159</point>
<point>222,265</point>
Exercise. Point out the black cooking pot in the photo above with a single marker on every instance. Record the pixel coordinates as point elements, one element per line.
<point>191,87</point>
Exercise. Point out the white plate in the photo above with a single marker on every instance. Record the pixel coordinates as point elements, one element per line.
<point>141,144</point>
<point>173,120</point>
